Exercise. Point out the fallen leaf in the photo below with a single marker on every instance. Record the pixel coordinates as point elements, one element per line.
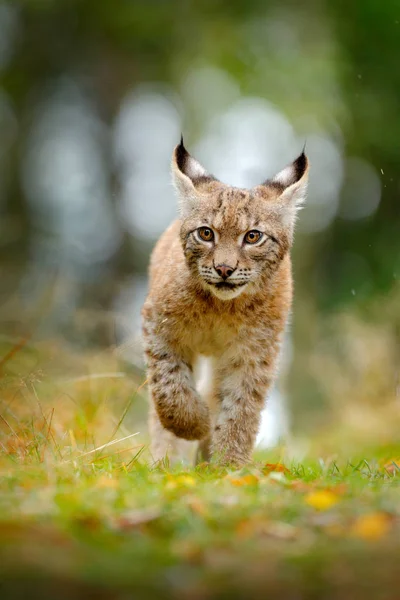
<point>243,480</point>
<point>180,481</point>
<point>372,526</point>
<point>275,467</point>
<point>321,500</point>
<point>392,466</point>
<point>186,480</point>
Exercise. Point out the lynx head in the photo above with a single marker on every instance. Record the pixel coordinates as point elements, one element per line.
<point>233,239</point>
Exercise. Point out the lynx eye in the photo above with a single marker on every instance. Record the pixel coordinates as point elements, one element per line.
<point>252,237</point>
<point>206,234</point>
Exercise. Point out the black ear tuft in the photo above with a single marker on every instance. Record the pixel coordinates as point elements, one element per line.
<point>189,166</point>
<point>300,166</point>
<point>181,155</point>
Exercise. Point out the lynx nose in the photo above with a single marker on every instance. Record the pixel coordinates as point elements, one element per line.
<point>224,271</point>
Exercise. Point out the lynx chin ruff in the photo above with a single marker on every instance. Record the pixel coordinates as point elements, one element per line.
<point>220,287</point>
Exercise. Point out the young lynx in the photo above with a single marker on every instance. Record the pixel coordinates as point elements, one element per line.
<point>220,287</point>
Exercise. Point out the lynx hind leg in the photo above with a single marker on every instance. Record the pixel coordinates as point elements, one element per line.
<point>165,446</point>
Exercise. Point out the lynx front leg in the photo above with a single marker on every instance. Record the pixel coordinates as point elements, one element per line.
<point>243,391</point>
<point>165,445</point>
<point>179,407</point>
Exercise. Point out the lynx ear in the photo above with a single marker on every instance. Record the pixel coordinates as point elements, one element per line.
<point>187,174</point>
<point>292,183</point>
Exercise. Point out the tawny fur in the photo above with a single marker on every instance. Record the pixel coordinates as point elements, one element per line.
<point>240,329</point>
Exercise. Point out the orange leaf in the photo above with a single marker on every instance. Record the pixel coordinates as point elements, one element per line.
<point>372,526</point>
<point>276,467</point>
<point>243,480</point>
<point>392,466</point>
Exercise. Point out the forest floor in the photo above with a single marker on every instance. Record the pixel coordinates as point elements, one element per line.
<point>85,514</point>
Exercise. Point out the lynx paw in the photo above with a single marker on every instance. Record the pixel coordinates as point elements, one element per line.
<point>191,424</point>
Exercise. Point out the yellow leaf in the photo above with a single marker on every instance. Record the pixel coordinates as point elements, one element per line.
<point>244,480</point>
<point>180,481</point>
<point>321,500</point>
<point>186,480</point>
<point>372,526</point>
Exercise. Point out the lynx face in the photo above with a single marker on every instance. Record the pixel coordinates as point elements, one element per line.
<point>230,240</point>
<point>231,237</point>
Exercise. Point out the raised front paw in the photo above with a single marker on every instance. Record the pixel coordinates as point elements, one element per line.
<point>190,421</point>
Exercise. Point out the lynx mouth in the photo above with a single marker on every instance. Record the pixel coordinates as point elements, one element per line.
<point>225,285</point>
<point>225,290</point>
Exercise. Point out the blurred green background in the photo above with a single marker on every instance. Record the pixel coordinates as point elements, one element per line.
<point>93,97</point>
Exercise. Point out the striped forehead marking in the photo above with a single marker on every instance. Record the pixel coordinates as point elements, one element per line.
<point>232,209</point>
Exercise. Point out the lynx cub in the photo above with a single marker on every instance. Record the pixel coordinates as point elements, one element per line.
<point>220,287</point>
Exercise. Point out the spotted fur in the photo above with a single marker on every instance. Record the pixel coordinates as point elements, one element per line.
<point>236,320</point>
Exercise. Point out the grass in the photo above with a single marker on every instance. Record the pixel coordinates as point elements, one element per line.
<point>84,512</point>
